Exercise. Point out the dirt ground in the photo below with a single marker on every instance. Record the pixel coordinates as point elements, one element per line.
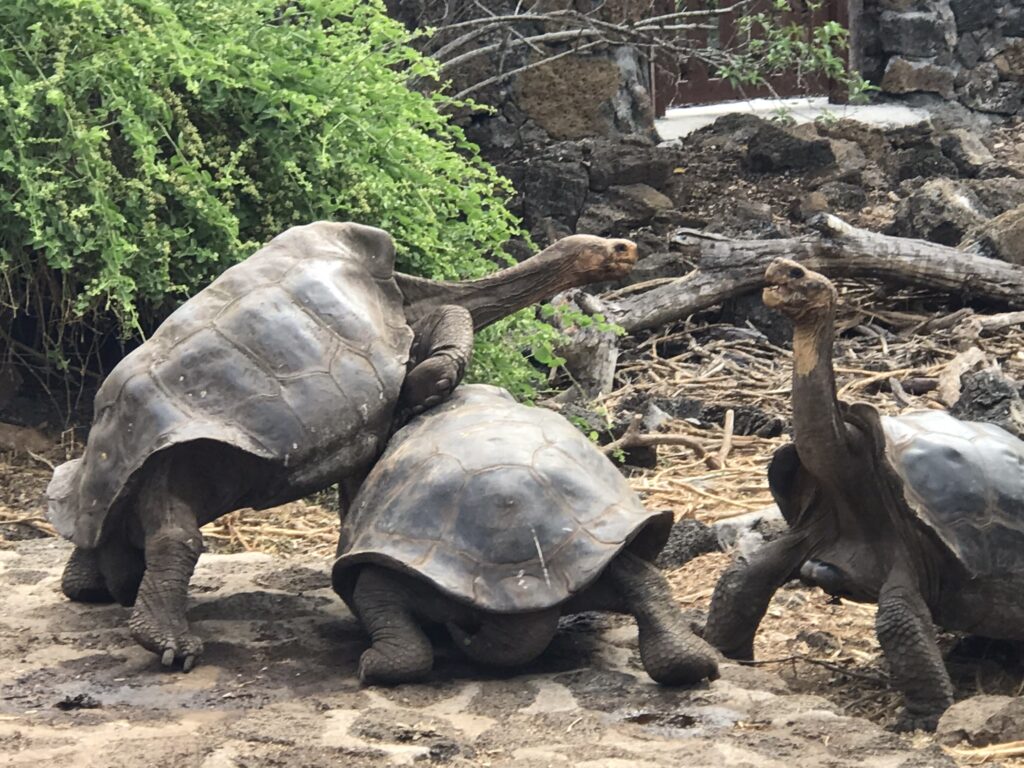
<point>277,687</point>
<point>277,679</point>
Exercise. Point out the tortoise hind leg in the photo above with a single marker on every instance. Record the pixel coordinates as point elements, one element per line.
<point>507,640</point>
<point>670,651</point>
<point>399,652</point>
<point>907,636</point>
<point>167,511</point>
<point>82,580</point>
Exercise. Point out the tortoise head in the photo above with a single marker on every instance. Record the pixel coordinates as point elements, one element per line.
<point>591,259</point>
<point>797,292</point>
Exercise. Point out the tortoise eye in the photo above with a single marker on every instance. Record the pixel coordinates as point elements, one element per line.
<point>796,273</point>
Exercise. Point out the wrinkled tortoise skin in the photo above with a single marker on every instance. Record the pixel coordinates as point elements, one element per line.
<point>295,355</point>
<point>965,480</point>
<point>526,515</point>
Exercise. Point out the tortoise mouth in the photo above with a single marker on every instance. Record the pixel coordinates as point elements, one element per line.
<point>774,296</point>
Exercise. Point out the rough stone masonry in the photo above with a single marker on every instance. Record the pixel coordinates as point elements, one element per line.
<point>967,51</point>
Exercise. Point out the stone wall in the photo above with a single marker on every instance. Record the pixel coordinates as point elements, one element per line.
<point>601,92</point>
<point>967,51</point>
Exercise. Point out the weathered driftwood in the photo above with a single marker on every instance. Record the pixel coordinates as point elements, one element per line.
<point>729,268</point>
<point>591,354</point>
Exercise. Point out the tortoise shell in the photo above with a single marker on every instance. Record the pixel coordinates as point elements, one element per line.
<point>295,355</point>
<point>965,480</point>
<point>504,506</point>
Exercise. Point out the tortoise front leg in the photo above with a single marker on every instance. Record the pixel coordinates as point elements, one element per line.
<point>743,592</point>
<point>82,580</point>
<point>907,636</point>
<point>440,353</point>
<point>167,510</point>
<point>669,650</point>
<point>399,652</point>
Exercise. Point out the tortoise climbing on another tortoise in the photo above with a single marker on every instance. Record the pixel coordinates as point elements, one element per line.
<point>921,513</point>
<point>494,519</point>
<point>278,379</point>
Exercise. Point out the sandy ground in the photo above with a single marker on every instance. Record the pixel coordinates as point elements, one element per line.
<point>276,686</point>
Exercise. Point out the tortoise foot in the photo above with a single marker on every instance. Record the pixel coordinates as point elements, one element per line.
<point>908,721</point>
<point>171,640</point>
<point>82,580</point>
<point>377,668</point>
<point>677,658</point>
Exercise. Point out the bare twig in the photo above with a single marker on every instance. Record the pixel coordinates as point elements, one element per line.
<point>730,424</point>
<point>634,438</point>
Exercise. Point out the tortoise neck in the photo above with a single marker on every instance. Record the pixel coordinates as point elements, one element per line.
<point>819,429</point>
<point>498,295</point>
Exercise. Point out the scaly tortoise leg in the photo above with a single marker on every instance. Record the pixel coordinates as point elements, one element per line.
<point>743,592</point>
<point>167,510</point>
<point>670,651</point>
<point>507,640</point>
<point>82,580</point>
<point>399,652</point>
<point>440,353</point>
<point>907,636</point>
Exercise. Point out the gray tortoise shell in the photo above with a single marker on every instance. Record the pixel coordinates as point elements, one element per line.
<point>965,480</point>
<point>498,504</point>
<point>295,355</point>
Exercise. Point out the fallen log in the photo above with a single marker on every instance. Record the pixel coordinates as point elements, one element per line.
<point>729,268</point>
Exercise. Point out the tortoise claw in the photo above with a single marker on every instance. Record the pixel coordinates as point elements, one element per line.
<point>190,661</point>
<point>168,658</point>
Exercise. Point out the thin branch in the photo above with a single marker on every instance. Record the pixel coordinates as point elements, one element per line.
<point>513,72</point>
<point>634,438</point>
<point>548,37</point>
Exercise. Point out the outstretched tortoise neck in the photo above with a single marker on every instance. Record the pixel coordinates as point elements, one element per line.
<point>568,263</point>
<point>820,432</point>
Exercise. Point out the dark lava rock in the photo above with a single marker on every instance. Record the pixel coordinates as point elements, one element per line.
<point>924,160</point>
<point>991,397</point>
<point>618,210</point>
<point>747,419</point>
<point>842,196</point>
<point>919,35</point>
<point>973,14</point>
<point>552,185</point>
<point>749,308</point>
<point>940,210</point>
<point>983,90</point>
<point>1001,237</point>
<point>966,151</point>
<point>689,539</point>
<point>746,220</point>
<point>618,164</point>
<point>773,149</point>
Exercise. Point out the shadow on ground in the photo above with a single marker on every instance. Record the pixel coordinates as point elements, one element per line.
<point>277,686</point>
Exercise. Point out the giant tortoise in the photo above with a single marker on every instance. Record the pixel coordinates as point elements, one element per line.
<point>495,518</point>
<point>921,513</point>
<point>278,379</point>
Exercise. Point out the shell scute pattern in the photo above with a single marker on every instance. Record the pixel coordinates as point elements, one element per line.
<point>966,481</point>
<point>481,497</point>
<point>295,355</point>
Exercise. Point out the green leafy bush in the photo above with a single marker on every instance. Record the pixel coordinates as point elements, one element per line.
<point>146,145</point>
